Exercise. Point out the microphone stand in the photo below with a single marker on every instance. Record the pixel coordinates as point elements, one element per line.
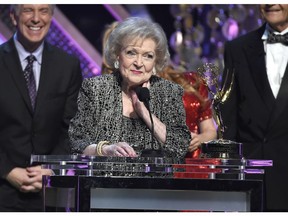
<point>144,96</point>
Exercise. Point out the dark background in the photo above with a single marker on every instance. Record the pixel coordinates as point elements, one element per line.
<point>91,19</point>
<point>209,27</point>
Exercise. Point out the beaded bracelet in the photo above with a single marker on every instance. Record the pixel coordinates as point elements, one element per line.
<point>100,146</point>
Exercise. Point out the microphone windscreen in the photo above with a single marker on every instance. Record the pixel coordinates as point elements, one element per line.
<point>143,93</point>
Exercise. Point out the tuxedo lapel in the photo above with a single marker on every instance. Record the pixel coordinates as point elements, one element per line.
<point>256,58</point>
<point>11,60</point>
<point>282,98</point>
<point>46,72</point>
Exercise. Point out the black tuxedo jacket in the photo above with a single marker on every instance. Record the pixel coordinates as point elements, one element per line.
<point>44,131</point>
<point>254,117</point>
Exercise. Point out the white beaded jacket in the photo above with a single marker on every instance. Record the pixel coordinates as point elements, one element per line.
<point>100,116</point>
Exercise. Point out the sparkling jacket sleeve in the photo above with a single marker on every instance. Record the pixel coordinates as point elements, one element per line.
<point>100,114</point>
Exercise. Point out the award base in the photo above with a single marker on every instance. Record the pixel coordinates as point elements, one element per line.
<point>221,148</point>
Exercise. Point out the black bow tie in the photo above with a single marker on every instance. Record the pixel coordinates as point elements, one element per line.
<point>273,38</point>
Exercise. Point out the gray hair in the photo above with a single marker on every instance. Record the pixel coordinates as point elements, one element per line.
<point>137,28</point>
<point>15,8</point>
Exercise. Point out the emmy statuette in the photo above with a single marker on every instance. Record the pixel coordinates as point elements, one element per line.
<point>219,148</point>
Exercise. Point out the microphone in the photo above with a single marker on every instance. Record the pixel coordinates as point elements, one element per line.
<point>144,96</point>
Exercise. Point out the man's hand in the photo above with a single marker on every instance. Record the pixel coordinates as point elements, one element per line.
<point>29,179</point>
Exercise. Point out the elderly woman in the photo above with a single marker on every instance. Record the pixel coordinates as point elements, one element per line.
<point>111,120</point>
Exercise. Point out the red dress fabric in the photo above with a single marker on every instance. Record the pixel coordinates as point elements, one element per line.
<point>195,111</point>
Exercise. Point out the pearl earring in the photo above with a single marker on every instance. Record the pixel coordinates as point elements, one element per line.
<point>116,64</point>
<point>154,71</point>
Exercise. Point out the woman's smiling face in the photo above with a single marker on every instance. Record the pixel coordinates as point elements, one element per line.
<point>136,61</point>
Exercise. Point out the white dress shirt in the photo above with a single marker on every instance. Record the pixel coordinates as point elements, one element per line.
<point>23,55</point>
<point>276,60</point>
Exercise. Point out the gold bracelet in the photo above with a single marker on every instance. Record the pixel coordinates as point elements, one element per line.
<point>100,146</point>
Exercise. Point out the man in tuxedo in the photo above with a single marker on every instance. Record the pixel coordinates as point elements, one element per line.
<point>28,125</point>
<point>256,114</point>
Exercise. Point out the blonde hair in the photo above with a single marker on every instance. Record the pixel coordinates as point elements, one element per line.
<point>171,74</point>
<point>105,68</point>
